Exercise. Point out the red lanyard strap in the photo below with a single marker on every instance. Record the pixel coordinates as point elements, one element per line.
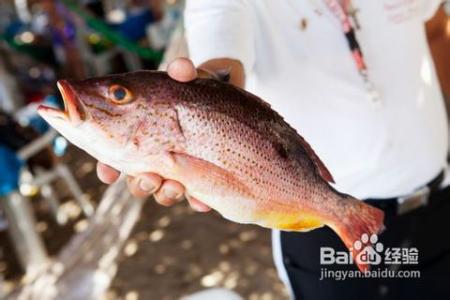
<point>340,12</point>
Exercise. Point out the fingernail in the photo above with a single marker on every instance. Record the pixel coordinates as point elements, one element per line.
<point>146,186</point>
<point>170,193</point>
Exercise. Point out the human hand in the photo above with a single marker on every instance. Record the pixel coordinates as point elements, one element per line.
<point>166,192</point>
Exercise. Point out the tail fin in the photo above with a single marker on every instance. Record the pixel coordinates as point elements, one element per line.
<point>357,225</point>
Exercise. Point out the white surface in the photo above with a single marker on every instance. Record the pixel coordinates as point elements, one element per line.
<point>310,78</point>
<point>216,294</point>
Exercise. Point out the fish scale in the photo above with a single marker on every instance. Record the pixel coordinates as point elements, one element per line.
<point>226,146</point>
<point>279,177</point>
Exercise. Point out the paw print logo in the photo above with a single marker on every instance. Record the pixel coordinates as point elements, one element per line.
<point>368,249</point>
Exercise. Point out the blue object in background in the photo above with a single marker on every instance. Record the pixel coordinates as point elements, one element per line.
<point>14,28</point>
<point>135,24</point>
<point>60,146</point>
<point>10,166</point>
<point>28,116</point>
<point>37,122</point>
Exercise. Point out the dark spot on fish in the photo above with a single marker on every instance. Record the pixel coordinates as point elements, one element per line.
<point>281,150</point>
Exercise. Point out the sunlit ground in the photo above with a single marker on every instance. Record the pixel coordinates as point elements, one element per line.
<point>175,251</point>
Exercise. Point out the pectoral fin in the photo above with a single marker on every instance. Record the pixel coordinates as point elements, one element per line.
<point>217,187</point>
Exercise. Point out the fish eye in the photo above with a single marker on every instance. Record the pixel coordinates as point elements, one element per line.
<point>120,94</point>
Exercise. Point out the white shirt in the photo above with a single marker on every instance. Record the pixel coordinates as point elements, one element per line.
<point>310,78</point>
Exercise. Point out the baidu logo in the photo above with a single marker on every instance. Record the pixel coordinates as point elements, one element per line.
<point>370,252</point>
<point>368,249</point>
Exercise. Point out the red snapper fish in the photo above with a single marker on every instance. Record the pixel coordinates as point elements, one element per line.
<point>226,146</point>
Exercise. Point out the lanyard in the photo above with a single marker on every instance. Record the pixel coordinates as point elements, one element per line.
<point>341,12</point>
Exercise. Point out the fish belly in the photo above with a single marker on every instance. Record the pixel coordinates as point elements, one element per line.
<point>235,200</point>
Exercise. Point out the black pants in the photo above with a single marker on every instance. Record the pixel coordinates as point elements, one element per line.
<point>426,228</point>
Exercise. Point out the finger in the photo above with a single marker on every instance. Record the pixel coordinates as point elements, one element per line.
<point>170,193</point>
<point>182,69</point>
<point>144,185</point>
<point>197,204</point>
<point>133,183</point>
<point>106,174</point>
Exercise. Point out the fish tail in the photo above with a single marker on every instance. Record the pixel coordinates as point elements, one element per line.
<point>357,221</point>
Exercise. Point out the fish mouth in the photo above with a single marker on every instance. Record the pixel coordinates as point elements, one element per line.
<point>73,110</point>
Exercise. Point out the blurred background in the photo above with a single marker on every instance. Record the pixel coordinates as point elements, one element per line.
<point>63,234</point>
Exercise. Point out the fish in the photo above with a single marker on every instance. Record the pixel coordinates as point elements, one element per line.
<point>228,148</point>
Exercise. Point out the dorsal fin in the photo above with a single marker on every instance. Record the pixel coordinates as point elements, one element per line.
<point>323,171</point>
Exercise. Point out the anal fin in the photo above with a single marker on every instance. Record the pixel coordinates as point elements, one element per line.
<point>290,222</point>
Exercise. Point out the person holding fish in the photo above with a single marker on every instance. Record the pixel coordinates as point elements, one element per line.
<point>354,78</point>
